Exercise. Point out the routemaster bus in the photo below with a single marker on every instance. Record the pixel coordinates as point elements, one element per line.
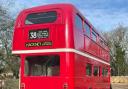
<point>60,49</point>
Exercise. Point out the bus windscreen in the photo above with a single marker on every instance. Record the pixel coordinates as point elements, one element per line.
<point>41,17</point>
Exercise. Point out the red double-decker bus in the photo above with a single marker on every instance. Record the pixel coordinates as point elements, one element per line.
<point>60,49</point>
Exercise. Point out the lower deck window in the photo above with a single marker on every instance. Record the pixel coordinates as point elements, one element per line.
<point>89,69</point>
<point>105,72</point>
<point>42,65</point>
<point>96,71</point>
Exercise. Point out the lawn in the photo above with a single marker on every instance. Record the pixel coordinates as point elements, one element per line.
<point>11,84</point>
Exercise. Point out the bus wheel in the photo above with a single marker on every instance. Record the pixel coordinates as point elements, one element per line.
<point>110,86</point>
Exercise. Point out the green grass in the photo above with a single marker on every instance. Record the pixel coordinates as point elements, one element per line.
<point>11,84</point>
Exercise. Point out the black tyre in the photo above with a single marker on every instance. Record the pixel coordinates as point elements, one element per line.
<point>110,86</point>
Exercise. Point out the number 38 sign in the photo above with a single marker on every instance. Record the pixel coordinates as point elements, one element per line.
<point>38,34</point>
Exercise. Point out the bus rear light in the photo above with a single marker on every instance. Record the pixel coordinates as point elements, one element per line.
<point>65,86</point>
<point>22,86</point>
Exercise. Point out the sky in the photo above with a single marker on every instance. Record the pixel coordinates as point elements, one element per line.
<point>105,15</point>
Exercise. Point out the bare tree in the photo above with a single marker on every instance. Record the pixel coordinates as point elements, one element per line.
<point>9,61</point>
<point>118,52</point>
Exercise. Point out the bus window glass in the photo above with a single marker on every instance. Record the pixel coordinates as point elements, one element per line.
<point>105,44</point>
<point>78,22</point>
<point>87,29</point>
<point>96,71</point>
<point>101,41</point>
<point>42,17</point>
<point>94,36</point>
<point>42,66</point>
<point>104,72</point>
<point>88,69</point>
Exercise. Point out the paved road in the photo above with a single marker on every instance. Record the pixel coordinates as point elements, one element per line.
<point>119,86</point>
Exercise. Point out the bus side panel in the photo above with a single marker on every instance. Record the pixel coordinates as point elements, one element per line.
<point>18,39</point>
<point>84,81</point>
<point>81,80</point>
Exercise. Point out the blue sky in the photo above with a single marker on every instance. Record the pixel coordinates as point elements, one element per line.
<point>105,15</point>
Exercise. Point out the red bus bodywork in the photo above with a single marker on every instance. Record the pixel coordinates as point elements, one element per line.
<point>79,54</point>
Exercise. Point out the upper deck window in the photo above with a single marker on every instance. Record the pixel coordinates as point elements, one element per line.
<point>78,22</point>
<point>42,65</point>
<point>94,36</point>
<point>42,17</point>
<point>87,29</point>
<point>101,41</point>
